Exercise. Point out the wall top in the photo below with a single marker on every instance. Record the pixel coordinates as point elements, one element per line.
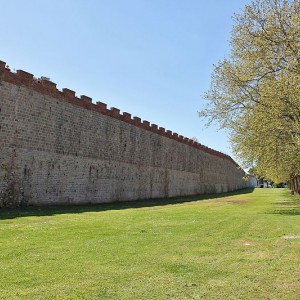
<point>46,87</point>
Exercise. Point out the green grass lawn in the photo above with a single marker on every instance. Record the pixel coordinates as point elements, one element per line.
<point>242,245</point>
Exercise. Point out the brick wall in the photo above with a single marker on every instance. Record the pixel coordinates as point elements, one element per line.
<point>56,148</point>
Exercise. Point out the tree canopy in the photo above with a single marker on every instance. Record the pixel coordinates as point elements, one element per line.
<point>255,92</point>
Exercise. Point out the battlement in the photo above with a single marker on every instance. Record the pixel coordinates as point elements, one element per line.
<point>46,87</point>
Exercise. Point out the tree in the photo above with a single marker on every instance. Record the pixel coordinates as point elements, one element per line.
<point>255,92</point>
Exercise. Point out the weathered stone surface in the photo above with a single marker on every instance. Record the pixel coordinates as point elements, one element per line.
<point>55,151</point>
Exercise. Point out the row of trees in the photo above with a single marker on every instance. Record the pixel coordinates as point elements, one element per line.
<point>255,92</point>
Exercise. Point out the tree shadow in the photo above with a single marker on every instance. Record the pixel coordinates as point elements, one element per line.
<point>290,207</point>
<point>12,213</point>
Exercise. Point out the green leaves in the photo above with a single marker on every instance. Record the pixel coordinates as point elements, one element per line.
<point>255,93</point>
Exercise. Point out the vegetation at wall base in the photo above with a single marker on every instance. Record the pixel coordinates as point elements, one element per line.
<point>255,91</point>
<point>243,245</point>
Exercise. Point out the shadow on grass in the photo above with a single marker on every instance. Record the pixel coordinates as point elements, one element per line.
<point>11,213</point>
<point>290,207</point>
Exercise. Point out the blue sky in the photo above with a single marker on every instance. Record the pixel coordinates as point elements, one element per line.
<point>152,59</point>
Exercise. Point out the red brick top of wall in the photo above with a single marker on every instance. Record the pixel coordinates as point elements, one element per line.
<point>46,87</point>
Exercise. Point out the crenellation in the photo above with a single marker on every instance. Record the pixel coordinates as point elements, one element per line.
<point>175,135</point>
<point>25,77</point>
<point>146,125</point>
<point>75,151</point>
<point>86,99</point>
<point>2,69</point>
<point>101,107</point>
<point>69,94</point>
<point>48,85</point>
<point>126,117</point>
<point>49,88</point>
<point>161,130</point>
<point>169,133</point>
<point>154,128</point>
<point>137,121</point>
<point>115,112</point>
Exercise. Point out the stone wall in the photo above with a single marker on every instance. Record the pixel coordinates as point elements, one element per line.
<point>56,148</point>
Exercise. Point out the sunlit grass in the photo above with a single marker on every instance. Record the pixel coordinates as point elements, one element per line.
<point>220,247</point>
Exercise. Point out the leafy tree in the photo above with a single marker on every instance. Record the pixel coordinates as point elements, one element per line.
<point>255,92</point>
